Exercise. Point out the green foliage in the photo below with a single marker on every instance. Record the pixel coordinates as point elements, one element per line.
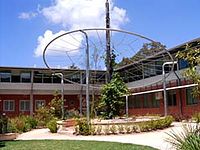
<point>52,110</point>
<point>188,139</point>
<point>52,125</point>
<point>121,129</point>
<point>127,128</point>
<point>113,129</point>
<point>55,106</point>
<point>43,116</point>
<point>3,124</point>
<point>83,127</point>
<point>98,130</point>
<point>196,117</point>
<point>148,49</point>
<point>191,55</point>
<point>106,130</point>
<point>21,124</point>
<point>111,97</point>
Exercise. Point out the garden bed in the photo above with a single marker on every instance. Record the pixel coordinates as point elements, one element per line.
<point>8,136</point>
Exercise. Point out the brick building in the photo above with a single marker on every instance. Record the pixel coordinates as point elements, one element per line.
<point>23,90</point>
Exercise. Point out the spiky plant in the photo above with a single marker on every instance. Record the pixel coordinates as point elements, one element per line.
<point>188,139</point>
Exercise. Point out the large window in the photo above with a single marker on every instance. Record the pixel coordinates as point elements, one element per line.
<point>5,76</point>
<point>39,103</point>
<point>25,77</point>
<point>8,105</point>
<point>190,100</point>
<point>24,105</point>
<point>171,98</point>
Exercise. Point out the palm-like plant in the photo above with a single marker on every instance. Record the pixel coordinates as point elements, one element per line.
<point>188,139</point>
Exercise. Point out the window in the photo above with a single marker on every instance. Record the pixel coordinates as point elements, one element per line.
<point>8,105</point>
<point>39,103</point>
<point>5,76</point>
<point>171,98</point>
<point>137,101</point>
<point>24,105</point>
<point>183,64</point>
<point>26,77</point>
<point>155,102</point>
<point>190,100</point>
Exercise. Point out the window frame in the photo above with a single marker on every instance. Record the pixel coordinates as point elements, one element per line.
<point>9,105</point>
<point>20,105</point>
<point>38,100</point>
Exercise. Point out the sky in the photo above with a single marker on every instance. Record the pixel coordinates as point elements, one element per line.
<point>26,26</point>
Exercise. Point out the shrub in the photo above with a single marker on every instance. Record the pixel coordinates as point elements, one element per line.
<point>83,126</point>
<point>106,130</point>
<point>135,128</point>
<point>21,124</point>
<point>92,130</point>
<point>188,139</point>
<point>113,129</point>
<point>196,117</point>
<point>127,128</point>
<point>99,129</point>
<point>43,116</point>
<point>52,125</point>
<point>121,129</point>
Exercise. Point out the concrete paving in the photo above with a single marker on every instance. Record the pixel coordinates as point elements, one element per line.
<point>154,139</point>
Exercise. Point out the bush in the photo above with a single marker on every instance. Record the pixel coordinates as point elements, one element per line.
<point>196,117</point>
<point>83,126</point>
<point>113,129</point>
<point>98,130</point>
<point>52,125</point>
<point>21,124</point>
<point>106,130</point>
<point>43,116</point>
<point>127,128</point>
<point>121,129</point>
<point>188,139</point>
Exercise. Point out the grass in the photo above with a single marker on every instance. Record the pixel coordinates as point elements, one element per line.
<point>69,145</point>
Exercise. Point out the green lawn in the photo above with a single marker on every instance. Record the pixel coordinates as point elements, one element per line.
<point>68,145</point>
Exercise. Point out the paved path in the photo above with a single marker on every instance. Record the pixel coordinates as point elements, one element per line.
<point>154,139</point>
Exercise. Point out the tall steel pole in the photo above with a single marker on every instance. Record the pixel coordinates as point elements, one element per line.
<point>108,49</point>
<point>87,77</point>
<point>164,84</point>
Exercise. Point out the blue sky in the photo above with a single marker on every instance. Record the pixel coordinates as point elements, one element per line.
<point>22,22</point>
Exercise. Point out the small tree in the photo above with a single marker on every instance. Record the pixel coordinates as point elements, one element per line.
<point>192,56</point>
<point>111,97</point>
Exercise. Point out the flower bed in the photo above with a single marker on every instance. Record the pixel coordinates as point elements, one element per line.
<point>107,128</point>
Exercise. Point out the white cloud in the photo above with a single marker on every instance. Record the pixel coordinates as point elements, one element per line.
<point>64,44</point>
<point>76,14</point>
<point>27,15</point>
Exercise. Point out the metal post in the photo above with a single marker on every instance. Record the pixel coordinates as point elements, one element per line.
<point>81,96</point>
<point>108,49</point>
<point>164,85</point>
<point>62,98</point>
<point>87,77</point>
<point>127,106</point>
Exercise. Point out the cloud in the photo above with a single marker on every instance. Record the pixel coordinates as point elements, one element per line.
<point>76,14</point>
<point>67,43</point>
<point>27,15</point>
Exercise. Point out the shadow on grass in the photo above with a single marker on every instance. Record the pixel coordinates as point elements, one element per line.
<point>2,144</point>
